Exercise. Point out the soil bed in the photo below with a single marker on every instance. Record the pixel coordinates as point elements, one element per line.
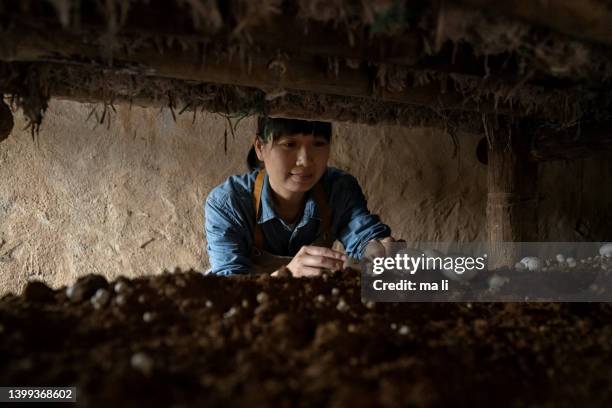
<point>183,339</point>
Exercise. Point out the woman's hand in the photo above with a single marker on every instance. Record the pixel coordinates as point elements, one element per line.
<point>310,260</point>
<point>378,248</point>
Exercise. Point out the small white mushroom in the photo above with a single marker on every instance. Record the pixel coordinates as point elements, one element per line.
<point>120,287</point>
<point>496,282</point>
<point>335,291</point>
<point>342,306</point>
<point>320,298</point>
<point>100,298</point>
<point>370,305</point>
<point>208,304</point>
<point>120,300</point>
<point>230,313</point>
<point>606,250</point>
<point>404,330</point>
<point>571,262</point>
<point>262,297</point>
<point>393,326</point>
<point>143,363</point>
<point>560,258</point>
<point>245,303</point>
<point>533,263</point>
<point>148,317</point>
<point>85,287</point>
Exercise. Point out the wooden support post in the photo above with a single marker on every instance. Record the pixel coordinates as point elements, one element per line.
<point>512,197</point>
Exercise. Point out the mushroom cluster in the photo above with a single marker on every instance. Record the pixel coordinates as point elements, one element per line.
<point>561,261</point>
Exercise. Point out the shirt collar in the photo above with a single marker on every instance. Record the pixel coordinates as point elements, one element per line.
<point>268,211</point>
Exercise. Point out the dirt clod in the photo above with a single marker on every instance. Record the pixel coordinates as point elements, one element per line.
<point>37,291</point>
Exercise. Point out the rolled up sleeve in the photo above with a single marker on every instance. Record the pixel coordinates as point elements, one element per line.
<point>227,245</point>
<point>357,226</point>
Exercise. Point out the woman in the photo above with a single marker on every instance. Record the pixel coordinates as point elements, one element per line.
<point>287,212</point>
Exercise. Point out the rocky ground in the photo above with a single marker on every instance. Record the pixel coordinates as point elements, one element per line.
<point>183,339</point>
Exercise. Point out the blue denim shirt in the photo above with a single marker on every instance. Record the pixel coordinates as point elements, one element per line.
<point>229,216</point>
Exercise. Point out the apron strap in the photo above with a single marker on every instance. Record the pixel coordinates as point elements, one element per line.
<point>259,238</point>
<point>321,200</point>
<point>319,196</point>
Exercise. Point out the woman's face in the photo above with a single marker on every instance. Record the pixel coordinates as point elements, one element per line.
<point>294,163</point>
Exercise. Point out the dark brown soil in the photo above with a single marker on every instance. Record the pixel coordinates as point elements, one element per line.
<point>6,120</point>
<point>256,341</point>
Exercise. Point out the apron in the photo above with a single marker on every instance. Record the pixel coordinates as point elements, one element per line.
<point>265,262</point>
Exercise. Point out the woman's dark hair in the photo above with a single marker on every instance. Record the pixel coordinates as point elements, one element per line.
<point>270,129</point>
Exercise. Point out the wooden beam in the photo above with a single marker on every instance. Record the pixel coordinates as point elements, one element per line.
<point>87,85</point>
<point>589,20</point>
<point>270,73</point>
<point>511,199</point>
<point>572,143</point>
<point>167,20</point>
<point>314,39</point>
<point>576,142</point>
